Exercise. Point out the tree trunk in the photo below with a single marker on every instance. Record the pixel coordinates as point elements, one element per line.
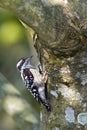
<point>61,28</point>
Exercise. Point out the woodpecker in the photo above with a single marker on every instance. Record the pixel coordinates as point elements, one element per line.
<point>34,81</point>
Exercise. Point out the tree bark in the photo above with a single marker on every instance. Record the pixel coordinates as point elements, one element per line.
<point>61,28</point>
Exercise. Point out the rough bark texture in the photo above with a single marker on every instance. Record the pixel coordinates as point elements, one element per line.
<point>61,28</point>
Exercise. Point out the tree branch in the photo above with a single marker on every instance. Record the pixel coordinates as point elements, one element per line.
<point>15,106</point>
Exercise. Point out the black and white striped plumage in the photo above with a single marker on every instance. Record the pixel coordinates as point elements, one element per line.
<point>34,81</point>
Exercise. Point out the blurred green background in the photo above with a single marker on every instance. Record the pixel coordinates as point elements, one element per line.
<point>14,44</point>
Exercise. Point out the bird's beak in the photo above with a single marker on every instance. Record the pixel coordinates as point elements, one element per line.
<point>31,57</point>
<point>28,60</point>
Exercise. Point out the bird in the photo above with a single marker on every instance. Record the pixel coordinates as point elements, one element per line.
<point>34,81</point>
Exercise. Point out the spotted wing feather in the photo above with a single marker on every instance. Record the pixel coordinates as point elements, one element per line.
<point>27,78</point>
<point>28,81</point>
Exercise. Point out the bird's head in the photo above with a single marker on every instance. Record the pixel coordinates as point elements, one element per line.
<point>24,63</point>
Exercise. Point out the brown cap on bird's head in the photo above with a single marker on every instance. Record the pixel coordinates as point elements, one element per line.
<point>23,62</point>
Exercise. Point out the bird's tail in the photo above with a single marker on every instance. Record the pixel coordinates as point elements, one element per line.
<point>47,105</point>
